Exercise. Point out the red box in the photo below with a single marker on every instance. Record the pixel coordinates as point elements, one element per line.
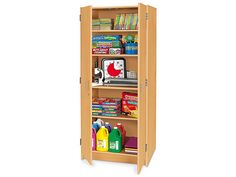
<point>100,51</point>
<point>130,103</point>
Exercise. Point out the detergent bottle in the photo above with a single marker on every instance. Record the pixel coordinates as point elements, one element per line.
<point>123,132</point>
<point>100,122</point>
<point>115,140</point>
<point>96,126</point>
<point>108,126</point>
<point>102,139</point>
<point>93,139</point>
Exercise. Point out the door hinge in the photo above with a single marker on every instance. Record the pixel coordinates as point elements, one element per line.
<point>146,16</point>
<point>146,82</point>
<point>145,147</point>
<point>80,80</point>
<point>80,141</point>
<point>80,17</point>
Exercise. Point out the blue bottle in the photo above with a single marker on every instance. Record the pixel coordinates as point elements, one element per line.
<point>96,126</point>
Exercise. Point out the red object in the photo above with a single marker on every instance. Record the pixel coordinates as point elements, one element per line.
<point>129,102</point>
<point>123,132</point>
<point>112,71</point>
<point>100,51</point>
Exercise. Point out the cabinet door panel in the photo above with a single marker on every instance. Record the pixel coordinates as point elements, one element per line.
<point>141,86</point>
<point>151,88</point>
<point>86,89</point>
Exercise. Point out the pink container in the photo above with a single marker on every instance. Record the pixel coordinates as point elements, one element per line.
<point>93,139</point>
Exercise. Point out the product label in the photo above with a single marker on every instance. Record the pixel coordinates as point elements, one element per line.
<point>117,145</point>
<point>101,143</point>
<point>114,145</point>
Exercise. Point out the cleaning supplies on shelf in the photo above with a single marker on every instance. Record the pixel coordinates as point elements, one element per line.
<point>106,106</point>
<point>102,139</point>
<point>100,122</point>
<point>96,126</point>
<point>115,140</point>
<point>108,126</point>
<point>130,104</point>
<point>131,145</point>
<point>93,139</point>
<point>123,132</point>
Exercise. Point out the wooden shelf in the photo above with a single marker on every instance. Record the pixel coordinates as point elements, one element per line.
<point>109,55</point>
<point>120,117</point>
<point>115,157</point>
<point>114,31</point>
<point>123,153</point>
<point>115,88</point>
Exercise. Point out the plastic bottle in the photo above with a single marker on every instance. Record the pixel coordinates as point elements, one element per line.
<point>96,126</point>
<point>102,139</point>
<point>123,132</point>
<point>100,122</point>
<point>115,140</point>
<point>108,126</point>
<point>93,139</point>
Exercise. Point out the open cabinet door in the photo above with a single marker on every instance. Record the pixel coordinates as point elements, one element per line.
<point>86,80</point>
<point>151,88</point>
<point>141,86</point>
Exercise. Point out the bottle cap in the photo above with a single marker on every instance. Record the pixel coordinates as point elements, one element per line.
<point>115,128</point>
<point>119,123</point>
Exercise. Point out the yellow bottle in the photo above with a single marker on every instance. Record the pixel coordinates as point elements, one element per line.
<point>102,139</point>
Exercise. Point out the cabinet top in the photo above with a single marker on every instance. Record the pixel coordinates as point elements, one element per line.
<point>115,7</point>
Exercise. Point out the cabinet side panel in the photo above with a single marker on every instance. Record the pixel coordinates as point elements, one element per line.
<point>151,89</point>
<point>86,89</point>
<point>141,86</point>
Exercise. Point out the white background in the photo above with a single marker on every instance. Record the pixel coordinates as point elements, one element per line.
<point>40,102</point>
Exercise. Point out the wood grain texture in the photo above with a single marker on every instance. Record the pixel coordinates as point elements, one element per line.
<point>86,79</point>
<point>141,86</point>
<point>144,64</point>
<point>115,157</point>
<point>151,88</point>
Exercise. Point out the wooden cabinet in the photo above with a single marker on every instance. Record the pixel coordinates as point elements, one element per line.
<point>143,63</point>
